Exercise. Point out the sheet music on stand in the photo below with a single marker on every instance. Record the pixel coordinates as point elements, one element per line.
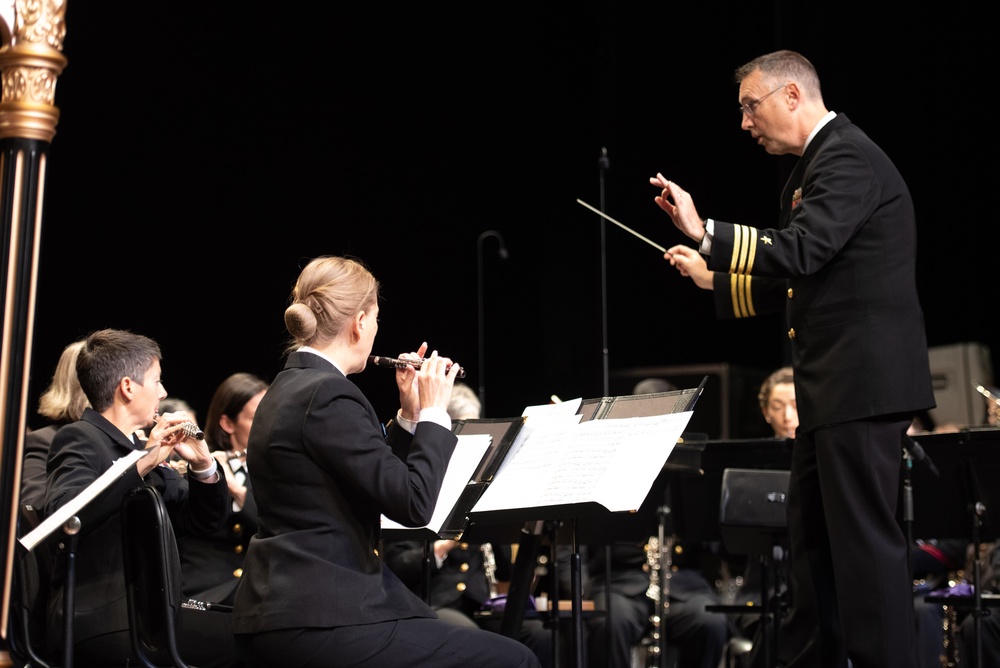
<point>463,463</point>
<point>482,447</point>
<point>77,503</point>
<point>565,462</point>
<point>602,453</point>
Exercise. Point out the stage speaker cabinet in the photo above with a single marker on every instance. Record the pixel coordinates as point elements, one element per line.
<point>956,369</point>
<point>753,510</point>
<point>727,409</point>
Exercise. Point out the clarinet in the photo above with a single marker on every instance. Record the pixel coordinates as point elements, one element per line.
<point>659,561</point>
<point>950,629</point>
<point>490,569</point>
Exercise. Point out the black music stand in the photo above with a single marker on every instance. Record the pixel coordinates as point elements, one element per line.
<point>502,432</point>
<point>753,521</point>
<point>67,518</point>
<point>627,406</point>
<point>959,500</point>
<point>693,480</point>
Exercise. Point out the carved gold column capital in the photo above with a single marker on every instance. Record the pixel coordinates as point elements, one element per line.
<point>30,64</point>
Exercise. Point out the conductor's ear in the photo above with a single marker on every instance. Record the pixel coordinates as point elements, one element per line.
<point>793,95</point>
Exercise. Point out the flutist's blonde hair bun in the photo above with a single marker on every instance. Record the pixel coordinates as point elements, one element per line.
<point>300,321</point>
<point>330,291</point>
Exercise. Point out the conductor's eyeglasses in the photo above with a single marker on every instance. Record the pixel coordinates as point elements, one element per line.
<point>750,107</point>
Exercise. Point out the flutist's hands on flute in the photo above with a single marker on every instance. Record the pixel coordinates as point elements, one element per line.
<point>406,381</point>
<point>428,386</point>
<point>167,437</point>
<point>679,206</point>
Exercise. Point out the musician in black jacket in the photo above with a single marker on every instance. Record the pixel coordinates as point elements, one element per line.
<point>324,470</point>
<point>120,373</point>
<point>211,566</point>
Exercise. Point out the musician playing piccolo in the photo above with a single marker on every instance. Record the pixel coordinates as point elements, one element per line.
<point>314,590</point>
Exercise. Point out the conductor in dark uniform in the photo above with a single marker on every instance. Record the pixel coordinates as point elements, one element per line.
<point>841,263</point>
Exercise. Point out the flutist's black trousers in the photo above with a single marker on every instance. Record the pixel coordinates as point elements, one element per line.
<point>404,642</point>
<point>850,581</point>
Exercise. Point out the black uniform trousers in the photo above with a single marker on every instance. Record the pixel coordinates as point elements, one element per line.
<point>848,553</point>
<point>418,641</point>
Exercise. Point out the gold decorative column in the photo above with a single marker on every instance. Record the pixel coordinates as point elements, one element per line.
<point>32,33</point>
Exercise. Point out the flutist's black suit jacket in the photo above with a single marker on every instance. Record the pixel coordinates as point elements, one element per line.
<point>79,454</point>
<point>842,264</point>
<point>323,473</point>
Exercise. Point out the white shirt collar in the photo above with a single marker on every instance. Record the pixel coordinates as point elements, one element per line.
<point>307,349</point>
<point>830,115</point>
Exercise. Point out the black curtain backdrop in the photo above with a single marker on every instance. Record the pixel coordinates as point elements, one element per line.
<point>206,151</point>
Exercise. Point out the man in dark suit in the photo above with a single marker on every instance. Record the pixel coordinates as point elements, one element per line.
<point>841,262</point>
<point>120,373</point>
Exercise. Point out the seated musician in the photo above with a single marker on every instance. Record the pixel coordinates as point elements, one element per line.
<point>777,402</point>
<point>120,373</point>
<point>213,565</point>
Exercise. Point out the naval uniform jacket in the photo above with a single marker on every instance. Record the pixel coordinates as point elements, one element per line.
<point>323,473</point>
<point>211,566</point>
<point>79,454</point>
<point>460,582</point>
<point>842,263</point>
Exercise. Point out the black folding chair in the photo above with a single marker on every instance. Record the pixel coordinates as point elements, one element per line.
<point>152,576</point>
<point>29,596</point>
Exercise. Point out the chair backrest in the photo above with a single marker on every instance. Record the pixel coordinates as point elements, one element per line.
<point>152,575</point>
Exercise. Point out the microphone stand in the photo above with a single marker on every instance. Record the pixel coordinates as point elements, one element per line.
<point>603,165</point>
<point>502,252</point>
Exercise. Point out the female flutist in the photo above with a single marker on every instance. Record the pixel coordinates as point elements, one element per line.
<point>314,591</point>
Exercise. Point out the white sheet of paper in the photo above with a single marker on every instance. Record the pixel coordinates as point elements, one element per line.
<point>546,424</point>
<point>74,505</point>
<point>612,462</point>
<point>569,407</point>
<point>464,460</point>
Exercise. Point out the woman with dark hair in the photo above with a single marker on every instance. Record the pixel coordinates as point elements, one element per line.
<point>315,591</point>
<point>212,566</point>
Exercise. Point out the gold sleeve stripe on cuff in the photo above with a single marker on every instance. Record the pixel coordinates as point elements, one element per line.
<point>753,249</point>
<point>737,234</point>
<point>741,260</point>
<point>740,293</point>
<point>742,240</point>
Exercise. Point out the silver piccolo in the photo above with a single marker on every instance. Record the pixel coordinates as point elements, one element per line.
<point>399,363</point>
